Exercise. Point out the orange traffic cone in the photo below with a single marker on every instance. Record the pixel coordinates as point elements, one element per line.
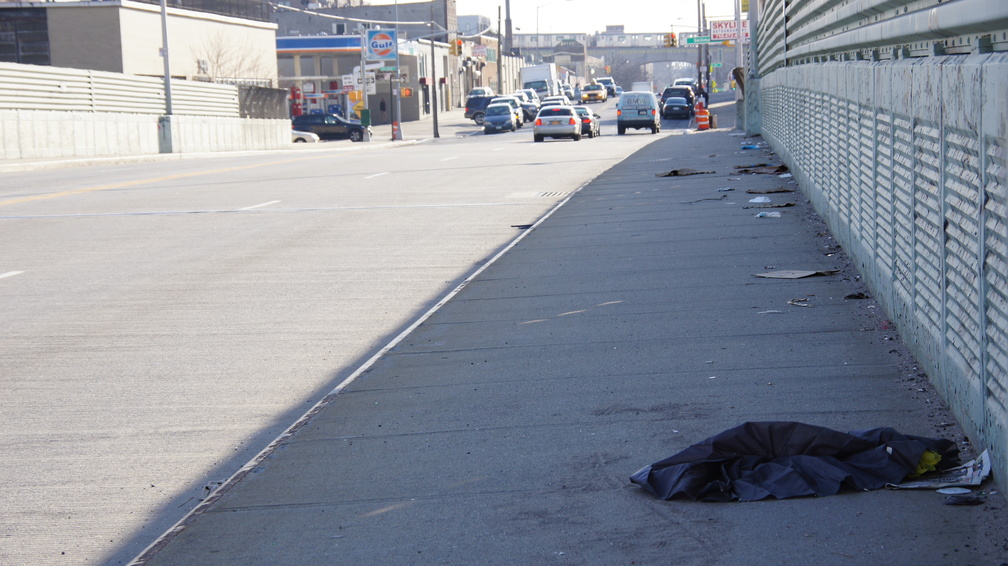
<point>702,117</point>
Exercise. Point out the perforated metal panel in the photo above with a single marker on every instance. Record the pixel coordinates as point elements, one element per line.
<point>916,190</point>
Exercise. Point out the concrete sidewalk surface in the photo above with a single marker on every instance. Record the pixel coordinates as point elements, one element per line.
<point>620,329</point>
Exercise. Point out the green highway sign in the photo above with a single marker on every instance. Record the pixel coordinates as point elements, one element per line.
<point>699,39</point>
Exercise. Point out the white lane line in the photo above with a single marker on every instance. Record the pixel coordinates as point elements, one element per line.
<point>10,274</point>
<point>450,158</point>
<point>376,175</point>
<point>259,205</point>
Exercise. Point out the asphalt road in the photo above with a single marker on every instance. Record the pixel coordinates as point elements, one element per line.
<point>163,321</point>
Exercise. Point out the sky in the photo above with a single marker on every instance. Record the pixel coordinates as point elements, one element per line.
<point>589,16</point>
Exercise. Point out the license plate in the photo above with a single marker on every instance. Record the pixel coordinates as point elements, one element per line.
<point>642,112</point>
<point>555,122</point>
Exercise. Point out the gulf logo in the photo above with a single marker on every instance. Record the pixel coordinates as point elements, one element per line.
<point>382,44</point>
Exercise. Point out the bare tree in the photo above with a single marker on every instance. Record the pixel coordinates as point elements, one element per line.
<point>223,60</point>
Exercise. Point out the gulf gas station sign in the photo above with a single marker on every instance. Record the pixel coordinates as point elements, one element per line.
<point>381,45</point>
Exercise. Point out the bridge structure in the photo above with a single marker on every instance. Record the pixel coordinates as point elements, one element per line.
<point>721,58</point>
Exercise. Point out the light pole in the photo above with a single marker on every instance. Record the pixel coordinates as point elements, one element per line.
<point>538,44</point>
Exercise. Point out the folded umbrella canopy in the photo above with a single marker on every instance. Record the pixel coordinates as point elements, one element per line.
<point>788,459</point>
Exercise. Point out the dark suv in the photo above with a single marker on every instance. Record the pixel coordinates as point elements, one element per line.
<point>475,108</point>
<point>329,126</point>
<point>680,91</point>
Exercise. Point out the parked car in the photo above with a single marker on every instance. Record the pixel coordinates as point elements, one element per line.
<point>637,110</point>
<point>304,137</point>
<point>329,126</point>
<point>475,108</point>
<point>589,121</point>
<point>515,106</point>
<point>681,91</point>
<point>529,108</point>
<point>558,121</point>
<point>481,91</point>
<point>676,107</point>
<point>594,93</point>
<point>500,117</point>
<point>533,96</point>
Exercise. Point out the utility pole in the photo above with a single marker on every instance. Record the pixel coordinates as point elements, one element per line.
<point>433,74</point>
<point>500,55</point>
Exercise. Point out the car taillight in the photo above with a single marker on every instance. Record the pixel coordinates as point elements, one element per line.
<point>572,121</point>
<point>619,112</point>
<point>538,122</point>
<point>585,120</point>
<point>653,111</point>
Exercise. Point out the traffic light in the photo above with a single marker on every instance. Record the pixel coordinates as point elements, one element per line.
<point>673,39</point>
<point>667,39</point>
<point>456,47</point>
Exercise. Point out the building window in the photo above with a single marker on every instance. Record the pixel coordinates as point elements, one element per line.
<point>24,36</point>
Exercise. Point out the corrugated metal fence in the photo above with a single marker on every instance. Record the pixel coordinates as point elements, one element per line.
<point>29,87</point>
<point>892,115</point>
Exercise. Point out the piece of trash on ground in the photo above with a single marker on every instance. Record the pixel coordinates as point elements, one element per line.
<point>760,460</point>
<point>971,499</point>
<point>971,473</point>
<point>760,200</point>
<point>769,191</point>
<point>785,176</point>
<point>857,295</point>
<point>781,205</point>
<point>725,189</point>
<point>722,197</point>
<point>750,146</point>
<point>795,273</point>
<point>770,312</point>
<point>761,168</point>
<point>683,172</point>
<point>801,302</point>
<point>954,490</point>
<point>768,215</point>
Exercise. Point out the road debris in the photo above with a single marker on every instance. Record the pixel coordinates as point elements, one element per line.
<point>760,460</point>
<point>683,172</point>
<point>795,273</point>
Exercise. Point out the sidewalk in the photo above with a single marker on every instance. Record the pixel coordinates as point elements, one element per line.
<point>621,329</point>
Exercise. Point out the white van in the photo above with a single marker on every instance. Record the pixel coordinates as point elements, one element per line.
<point>638,110</point>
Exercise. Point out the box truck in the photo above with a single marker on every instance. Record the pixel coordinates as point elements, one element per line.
<point>541,78</point>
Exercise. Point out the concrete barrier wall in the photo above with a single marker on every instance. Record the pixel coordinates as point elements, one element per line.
<point>907,160</point>
<point>40,134</point>
<point>197,134</point>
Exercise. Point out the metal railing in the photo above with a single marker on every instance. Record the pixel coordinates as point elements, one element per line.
<point>891,114</point>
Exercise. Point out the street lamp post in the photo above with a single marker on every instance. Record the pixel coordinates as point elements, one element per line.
<point>538,44</point>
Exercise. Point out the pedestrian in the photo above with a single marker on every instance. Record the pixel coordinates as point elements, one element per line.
<point>384,115</point>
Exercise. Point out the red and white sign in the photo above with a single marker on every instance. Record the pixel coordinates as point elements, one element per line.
<point>726,29</point>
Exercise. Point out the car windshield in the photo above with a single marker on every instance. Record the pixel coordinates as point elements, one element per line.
<point>594,87</point>
<point>498,110</point>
